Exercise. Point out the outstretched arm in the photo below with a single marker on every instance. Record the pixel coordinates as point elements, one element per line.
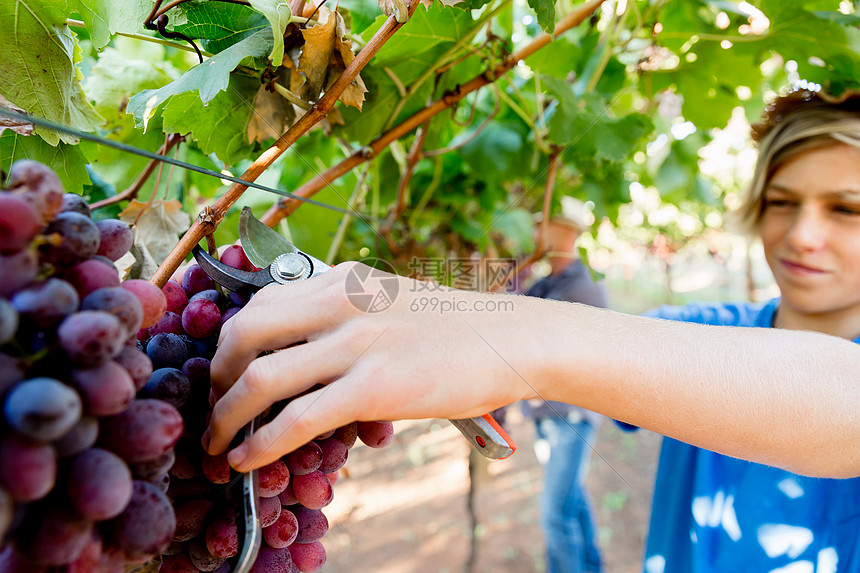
<point>784,398</point>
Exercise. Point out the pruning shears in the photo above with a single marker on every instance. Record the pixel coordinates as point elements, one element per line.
<point>281,262</point>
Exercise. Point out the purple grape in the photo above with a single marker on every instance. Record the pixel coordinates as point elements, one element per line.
<point>46,304</point>
<point>167,350</point>
<point>55,535</point>
<point>19,223</point>
<point>145,527</point>
<point>270,510</point>
<point>76,203</point>
<point>197,370</point>
<point>120,303</point>
<point>273,478</point>
<point>334,454</point>
<point>152,470</point>
<point>43,409</point>
<point>201,318</point>
<point>72,238</point>
<point>191,518</point>
<point>99,484</point>
<point>376,434</point>
<point>91,275</point>
<point>283,531</point>
<point>39,185</point>
<point>288,496</point>
<point>90,557</point>
<point>170,322</point>
<point>179,563</point>
<point>313,525</point>
<point>8,321</point>
<point>313,490</point>
<point>168,384</point>
<point>271,560</point>
<point>81,437</point>
<point>304,460</point>
<point>210,295</point>
<point>308,557</point>
<point>222,535</point>
<point>229,313</point>
<point>146,430</point>
<point>175,296</point>
<point>115,238</point>
<point>201,557</point>
<point>137,364</point>
<point>18,270</point>
<point>91,337</point>
<point>195,280</point>
<point>234,256</point>
<point>106,389</point>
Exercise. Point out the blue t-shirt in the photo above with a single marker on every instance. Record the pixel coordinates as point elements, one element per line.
<point>713,513</point>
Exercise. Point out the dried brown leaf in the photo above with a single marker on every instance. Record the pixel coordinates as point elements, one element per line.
<point>158,225</point>
<point>316,55</point>
<point>272,116</point>
<point>20,126</point>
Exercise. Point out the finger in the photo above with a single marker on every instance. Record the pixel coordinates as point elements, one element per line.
<point>269,379</point>
<point>276,317</point>
<point>301,421</point>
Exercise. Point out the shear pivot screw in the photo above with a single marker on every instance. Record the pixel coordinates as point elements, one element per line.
<point>290,266</point>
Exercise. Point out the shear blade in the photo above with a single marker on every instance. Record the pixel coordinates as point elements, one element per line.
<point>232,279</point>
<point>262,244</point>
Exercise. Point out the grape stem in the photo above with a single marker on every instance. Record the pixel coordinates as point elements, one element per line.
<point>286,207</point>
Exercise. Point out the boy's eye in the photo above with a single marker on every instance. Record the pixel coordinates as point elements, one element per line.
<point>847,209</point>
<point>778,203</point>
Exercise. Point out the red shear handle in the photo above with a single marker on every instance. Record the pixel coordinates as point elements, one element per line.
<point>486,436</point>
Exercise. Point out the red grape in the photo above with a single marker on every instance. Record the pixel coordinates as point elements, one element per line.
<point>273,478</point>
<point>191,517</point>
<point>376,434</point>
<point>179,563</point>
<point>175,296</point>
<point>120,303</point>
<point>222,537</point>
<point>146,430</point>
<point>334,454</point>
<point>270,510</point>
<point>216,468</point>
<point>137,364</point>
<point>55,534</point>
<point>106,389</point>
<point>72,238</point>
<point>234,256</point>
<point>153,300</point>
<point>82,436</point>
<point>312,524</point>
<point>347,434</point>
<point>304,460</point>
<point>146,525</point>
<point>283,531</point>
<point>313,490</point>
<point>91,337</point>
<point>201,557</point>
<point>42,409</point>
<point>91,275</point>
<point>99,484</point>
<point>19,223</point>
<point>308,557</point>
<point>18,270</point>
<point>39,185</point>
<point>201,318</point>
<point>271,560</point>
<point>115,238</point>
<point>46,304</point>
<point>195,280</point>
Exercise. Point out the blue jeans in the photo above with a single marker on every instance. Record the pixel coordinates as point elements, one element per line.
<point>565,507</point>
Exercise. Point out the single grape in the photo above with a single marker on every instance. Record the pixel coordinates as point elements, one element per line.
<point>215,468</point>
<point>201,557</point>
<point>76,203</point>
<point>153,300</point>
<point>283,531</point>
<point>115,238</point>
<point>195,280</point>
<point>234,256</point>
<point>273,478</point>
<point>152,470</point>
<point>91,337</point>
<point>168,384</point>
<point>81,437</point>
<point>229,313</point>
<point>179,563</point>
<point>91,275</point>
<point>187,464</point>
<point>313,490</point>
<point>43,409</point>
<point>204,347</point>
<point>304,460</point>
<point>313,525</point>
<point>288,496</point>
<point>222,536</point>
<point>174,548</point>
<point>90,558</point>
<point>270,510</point>
<point>146,430</point>
<point>175,296</point>
<point>99,484</point>
<point>347,434</point>
<point>106,389</point>
<point>71,238</point>
<point>17,269</point>
<point>334,454</point>
<point>146,525</point>
<point>271,560</point>
<point>376,434</point>
<point>169,322</point>
<point>197,370</point>
<point>45,304</point>
<point>191,518</point>
<point>201,318</point>
<point>19,223</point>
<point>55,534</point>
<point>308,557</point>
<point>8,321</point>
<point>39,185</point>
<point>120,303</point>
<point>240,298</point>
<point>211,295</point>
<point>137,364</point>
<point>167,350</point>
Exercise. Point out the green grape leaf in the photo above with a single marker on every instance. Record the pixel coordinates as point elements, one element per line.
<point>218,127</point>
<point>66,160</point>
<point>219,24</point>
<point>105,17</point>
<point>545,12</point>
<point>278,13</point>
<point>208,78</point>
<point>38,67</point>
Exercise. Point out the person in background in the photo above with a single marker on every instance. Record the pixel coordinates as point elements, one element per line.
<point>565,433</point>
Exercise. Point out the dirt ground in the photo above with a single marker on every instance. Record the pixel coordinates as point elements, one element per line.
<point>403,509</point>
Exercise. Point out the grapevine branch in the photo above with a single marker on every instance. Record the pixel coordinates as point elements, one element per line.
<point>218,210</point>
<point>132,191</point>
<point>287,207</point>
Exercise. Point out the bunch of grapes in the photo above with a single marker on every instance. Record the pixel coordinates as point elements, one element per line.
<point>293,490</point>
<point>75,440</point>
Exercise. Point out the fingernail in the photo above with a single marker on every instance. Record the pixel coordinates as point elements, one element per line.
<point>205,439</point>
<point>237,456</point>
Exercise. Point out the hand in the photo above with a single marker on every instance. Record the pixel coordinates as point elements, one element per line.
<point>434,353</point>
